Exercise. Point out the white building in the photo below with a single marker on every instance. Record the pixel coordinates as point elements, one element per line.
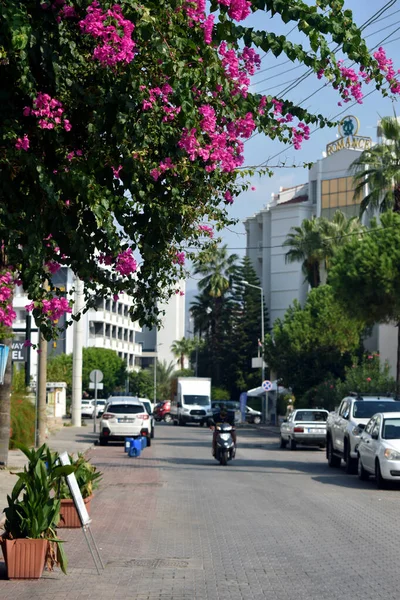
<point>107,327</point>
<point>157,343</point>
<point>329,188</point>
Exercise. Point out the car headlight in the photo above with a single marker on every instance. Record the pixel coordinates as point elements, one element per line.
<point>209,411</point>
<point>186,410</point>
<point>391,454</point>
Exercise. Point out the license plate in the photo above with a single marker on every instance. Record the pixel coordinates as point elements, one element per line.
<point>196,417</point>
<point>126,420</point>
<point>315,431</point>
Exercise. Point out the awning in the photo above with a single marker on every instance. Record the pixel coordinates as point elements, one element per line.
<point>259,391</point>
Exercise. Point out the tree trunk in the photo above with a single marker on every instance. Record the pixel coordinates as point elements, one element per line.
<point>396,206</point>
<point>5,408</point>
<point>182,361</point>
<point>398,360</point>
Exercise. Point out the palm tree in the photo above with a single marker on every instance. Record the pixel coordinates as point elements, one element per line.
<point>379,169</point>
<point>163,379</point>
<point>182,348</point>
<point>217,269</point>
<point>335,233</point>
<point>307,246</point>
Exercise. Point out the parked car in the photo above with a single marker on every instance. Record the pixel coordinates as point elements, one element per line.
<point>342,433</point>
<point>149,408</point>
<point>87,408</point>
<point>101,404</point>
<point>162,411</point>
<point>305,426</point>
<point>253,416</point>
<point>124,416</point>
<point>379,449</point>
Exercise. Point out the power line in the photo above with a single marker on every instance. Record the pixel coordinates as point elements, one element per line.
<point>329,239</point>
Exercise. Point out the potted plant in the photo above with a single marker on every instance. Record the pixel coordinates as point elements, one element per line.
<point>88,478</point>
<point>30,540</point>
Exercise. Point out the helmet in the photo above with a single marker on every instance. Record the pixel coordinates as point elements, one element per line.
<point>223,411</point>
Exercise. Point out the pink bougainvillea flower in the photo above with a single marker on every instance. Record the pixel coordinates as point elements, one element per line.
<point>116,171</point>
<point>125,263</point>
<point>22,143</point>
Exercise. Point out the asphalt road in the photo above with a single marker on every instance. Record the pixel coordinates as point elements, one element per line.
<point>275,524</point>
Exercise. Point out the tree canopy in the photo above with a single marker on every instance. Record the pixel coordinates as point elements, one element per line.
<point>122,128</point>
<point>312,342</point>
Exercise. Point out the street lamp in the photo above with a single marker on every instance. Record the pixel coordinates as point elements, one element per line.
<point>257,287</point>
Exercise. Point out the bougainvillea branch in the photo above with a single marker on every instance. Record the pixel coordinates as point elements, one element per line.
<point>122,130</point>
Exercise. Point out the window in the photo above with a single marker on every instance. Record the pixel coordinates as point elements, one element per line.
<point>108,304</point>
<point>200,400</point>
<point>344,411</point>
<point>391,429</point>
<point>114,307</point>
<point>131,336</point>
<point>366,409</point>
<point>126,311</point>
<point>313,192</point>
<point>120,308</point>
<point>311,415</point>
<point>338,193</point>
<point>125,409</point>
<point>369,426</point>
<point>377,426</point>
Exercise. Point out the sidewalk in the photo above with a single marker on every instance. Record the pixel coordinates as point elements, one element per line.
<point>69,439</point>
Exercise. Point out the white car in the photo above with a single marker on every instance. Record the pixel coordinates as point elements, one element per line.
<point>305,426</point>
<point>149,406</point>
<point>379,449</point>
<point>87,408</point>
<point>124,416</point>
<point>101,404</point>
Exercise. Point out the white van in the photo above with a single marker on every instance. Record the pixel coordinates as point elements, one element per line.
<point>192,401</point>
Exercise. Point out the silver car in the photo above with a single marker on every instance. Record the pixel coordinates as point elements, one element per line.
<point>305,426</point>
<point>379,449</point>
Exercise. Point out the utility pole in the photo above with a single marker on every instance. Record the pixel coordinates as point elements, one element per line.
<point>41,391</point>
<point>77,357</point>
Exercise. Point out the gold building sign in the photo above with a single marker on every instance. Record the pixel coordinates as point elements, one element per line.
<point>348,129</point>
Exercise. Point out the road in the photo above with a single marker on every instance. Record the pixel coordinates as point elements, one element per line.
<point>275,524</point>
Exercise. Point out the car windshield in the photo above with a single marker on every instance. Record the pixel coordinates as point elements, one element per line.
<point>125,409</point>
<point>147,406</point>
<point>367,409</point>
<point>86,402</point>
<point>311,415</point>
<point>194,399</point>
<point>391,429</point>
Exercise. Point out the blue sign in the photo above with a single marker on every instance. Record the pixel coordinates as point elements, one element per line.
<point>243,402</point>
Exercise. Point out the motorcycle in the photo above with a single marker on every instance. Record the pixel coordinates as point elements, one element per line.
<point>225,448</point>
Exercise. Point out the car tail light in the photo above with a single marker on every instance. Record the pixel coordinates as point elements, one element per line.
<point>107,416</point>
<point>144,417</point>
<point>298,429</point>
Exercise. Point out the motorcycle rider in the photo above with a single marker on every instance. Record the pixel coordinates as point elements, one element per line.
<point>222,416</point>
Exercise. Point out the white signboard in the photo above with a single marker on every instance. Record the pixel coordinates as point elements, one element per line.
<point>94,386</point>
<point>75,492</point>
<point>96,376</point>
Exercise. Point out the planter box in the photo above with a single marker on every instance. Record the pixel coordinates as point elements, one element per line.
<point>68,514</point>
<point>24,557</point>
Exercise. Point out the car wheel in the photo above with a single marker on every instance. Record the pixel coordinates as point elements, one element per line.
<point>148,438</point>
<point>282,443</point>
<point>333,460</point>
<point>257,420</point>
<point>292,444</point>
<point>351,463</point>
<point>362,473</point>
<point>152,432</point>
<point>103,441</point>
<point>168,418</point>
<point>380,482</point>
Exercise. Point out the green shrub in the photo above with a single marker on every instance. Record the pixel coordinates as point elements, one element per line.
<point>218,393</point>
<point>22,420</point>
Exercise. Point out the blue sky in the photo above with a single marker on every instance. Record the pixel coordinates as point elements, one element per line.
<point>324,101</point>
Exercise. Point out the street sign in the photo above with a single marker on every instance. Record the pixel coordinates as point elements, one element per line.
<point>18,351</point>
<point>95,386</point>
<point>267,385</point>
<point>96,375</point>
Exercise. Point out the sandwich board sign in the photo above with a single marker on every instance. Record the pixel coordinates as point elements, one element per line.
<point>75,492</point>
<point>82,512</point>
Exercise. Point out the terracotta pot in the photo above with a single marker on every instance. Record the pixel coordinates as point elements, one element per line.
<point>24,557</point>
<point>69,515</point>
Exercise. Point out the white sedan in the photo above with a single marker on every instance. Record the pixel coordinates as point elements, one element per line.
<point>379,449</point>
<point>305,426</point>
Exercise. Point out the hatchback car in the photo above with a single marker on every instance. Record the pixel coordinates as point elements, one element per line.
<point>124,416</point>
<point>87,408</point>
<point>162,411</point>
<point>305,426</point>
<point>101,404</point>
<point>253,416</point>
<point>379,449</point>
